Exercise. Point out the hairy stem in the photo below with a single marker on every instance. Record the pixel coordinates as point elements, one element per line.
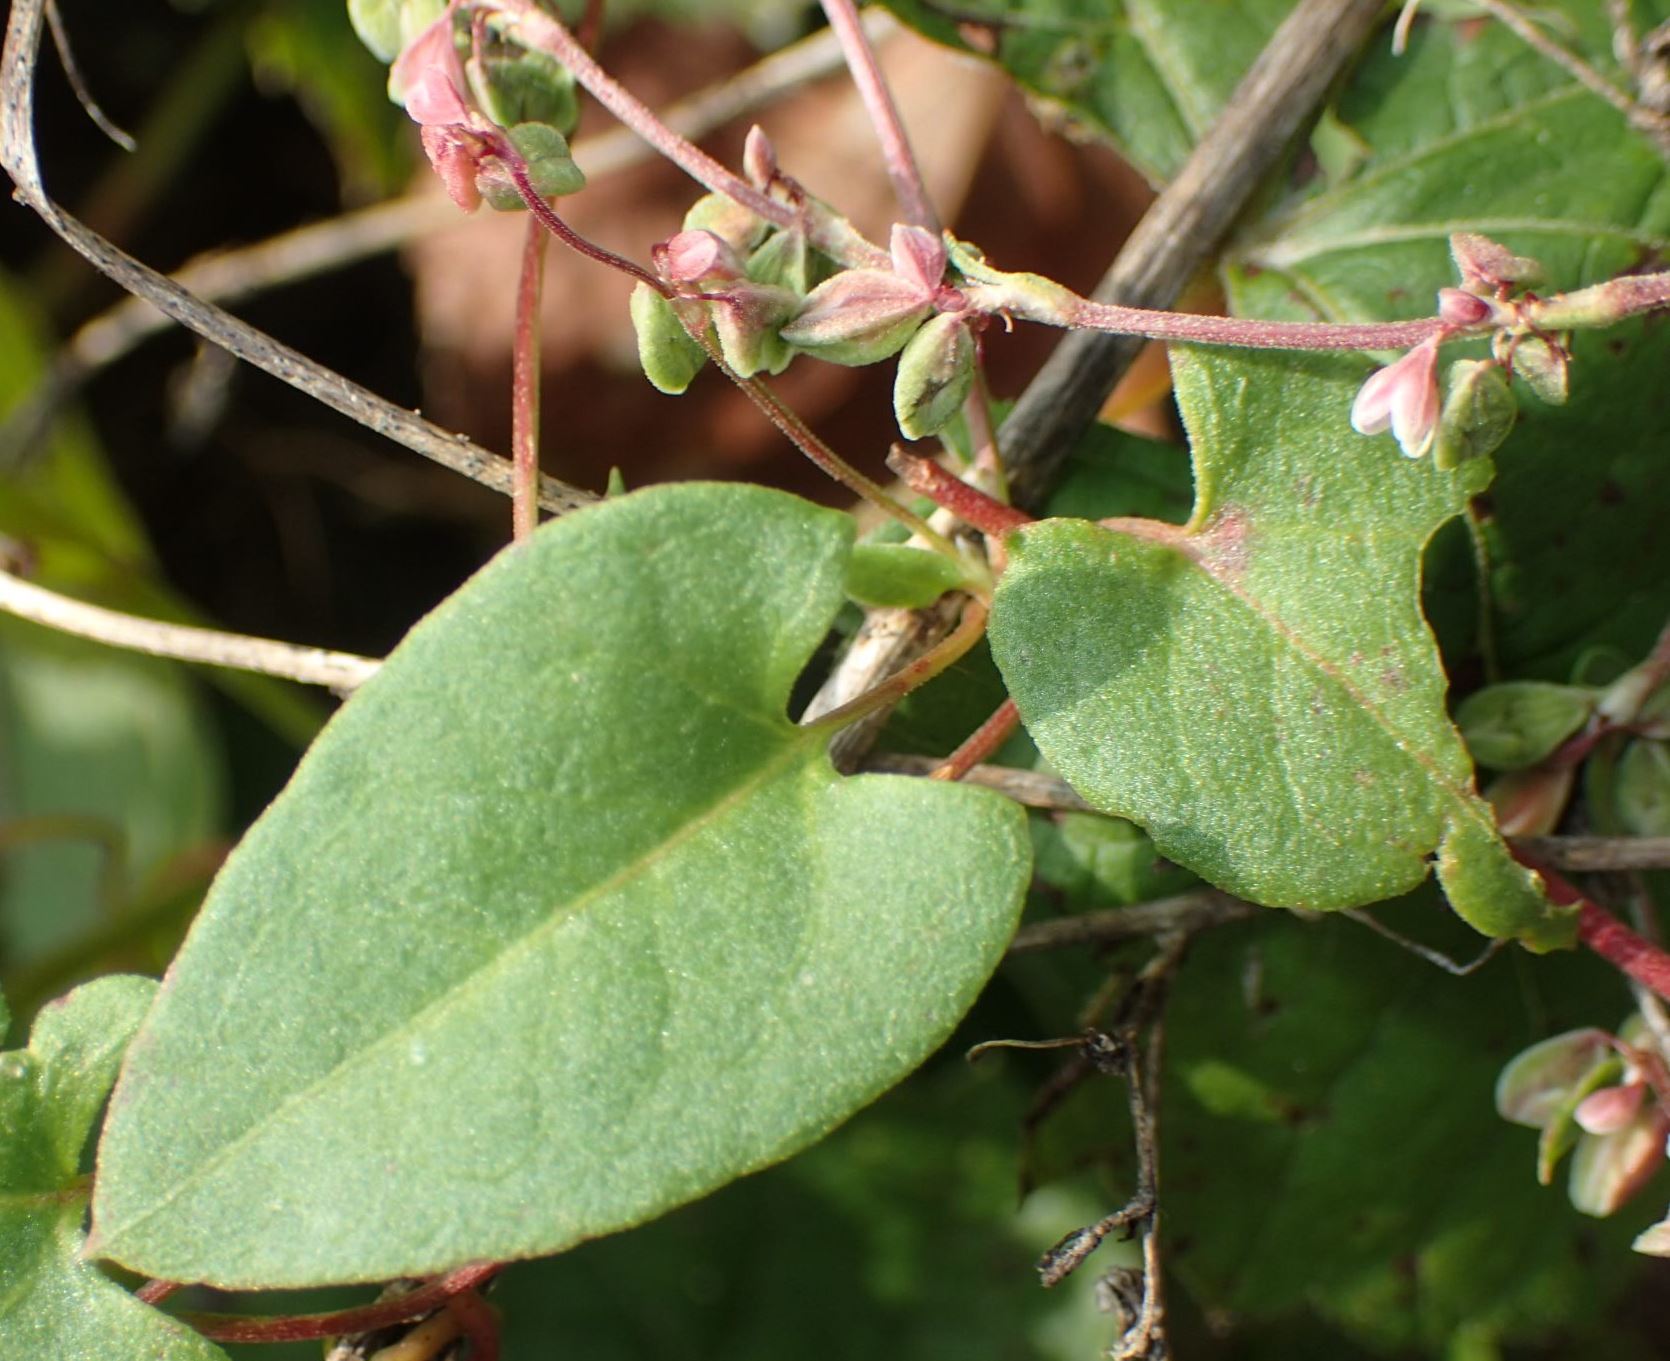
<point>969,504</point>
<point>524,384</point>
<point>902,169</point>
<point>536,28</point>
<point>1250,333</point>
<point>980,744</point>
<point>801,435</point>
<point>1631,954</point>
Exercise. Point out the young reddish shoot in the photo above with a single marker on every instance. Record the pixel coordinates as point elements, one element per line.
<point>517,168</point>
<point>969,504</point>
<point>982,743</point>
<point>1630,953</point>
<point>303,1327</point>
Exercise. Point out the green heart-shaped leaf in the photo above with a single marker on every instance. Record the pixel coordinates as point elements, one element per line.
<point>52,1304</point>
<point>1258,688</point>
<point>561,923</point>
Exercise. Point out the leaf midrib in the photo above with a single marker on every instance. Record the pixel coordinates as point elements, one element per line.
<point>1288,252</point>
<point>1390,167</point>
<point>798,744</point>
<point>1175,543</point>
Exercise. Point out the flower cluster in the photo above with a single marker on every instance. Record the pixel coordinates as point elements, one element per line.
<point>1478,412</point>
<point>502,107</point>
<point>760,295</point>
<point>1602,1098</point>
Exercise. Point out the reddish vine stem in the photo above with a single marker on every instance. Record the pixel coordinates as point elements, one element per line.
<point>303,1327</point>
<point>981,743</point>
<point>1251,334</point>
<point>901,163</point>
<point>1631,954</point>
<point>478,1321</point>
<point>524,385</point>
<point>518,170</point>
<point>538,29</point>
<point>155,1292</point>
<point>968,504</point>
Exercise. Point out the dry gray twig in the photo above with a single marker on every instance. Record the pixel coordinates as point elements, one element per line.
<point>1051,793</point>
<point>18,157</point>
<point>339,671</point>
<point>1183,913</point>
<point>227,277</point>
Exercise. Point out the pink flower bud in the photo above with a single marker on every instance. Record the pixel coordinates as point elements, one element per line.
<point>1608,1169</point>
<point>428,78</point>
<point>692,256</point>
<point>1404,397</point>
<point>1530,802</point>
<point>859,316</point>
<point>918,256</point>
<point>456,158</point>
<point>1489,265</point>
<point>1609,1109</point>
<point>1457,307</point>
<point>759,158</point>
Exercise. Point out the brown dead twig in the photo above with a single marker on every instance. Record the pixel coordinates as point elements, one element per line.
<point>1175,238</point>
<point>1119,1051</point>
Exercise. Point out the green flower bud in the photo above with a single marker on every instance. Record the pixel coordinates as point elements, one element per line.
<point>1642,789</point>
<point>858,317</point>
<point>513,86</point>
<point>1479,412</point>
<point>386,26</point>
<point>746,317</point>
<point>787,260</point>
<point>728,220</point>
<point>936,371</point>
<point>667,354</point>
<point>1537,1082</point>
<point>1545,367</point>
<point>551,170</point>
<point>1516,724</point>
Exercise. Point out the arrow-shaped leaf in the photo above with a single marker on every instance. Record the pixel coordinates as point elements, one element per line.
<point>1258,688</point>
<point>561,923</point>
